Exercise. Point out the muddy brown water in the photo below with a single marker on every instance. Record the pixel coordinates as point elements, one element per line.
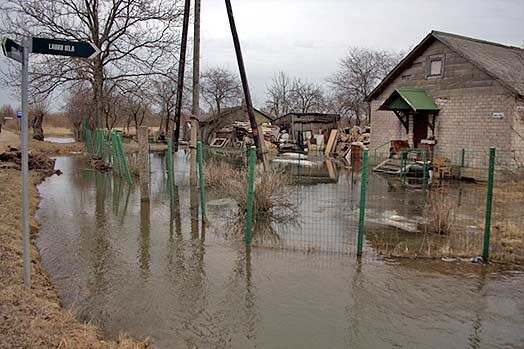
<point>149,270</point>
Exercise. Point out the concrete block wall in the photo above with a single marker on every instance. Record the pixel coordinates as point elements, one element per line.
<point>467,98</point>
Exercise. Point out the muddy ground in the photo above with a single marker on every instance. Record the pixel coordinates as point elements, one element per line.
<point>34,318</point>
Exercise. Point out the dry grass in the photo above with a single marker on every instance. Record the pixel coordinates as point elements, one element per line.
<point>272,201</point>
<point>33,318</point>
<point>439,212</point>
<point>216,174</point>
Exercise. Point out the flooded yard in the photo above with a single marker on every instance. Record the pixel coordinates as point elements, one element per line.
<point>149,269</point>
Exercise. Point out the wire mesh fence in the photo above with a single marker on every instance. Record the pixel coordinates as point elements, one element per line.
<point>407,213</point>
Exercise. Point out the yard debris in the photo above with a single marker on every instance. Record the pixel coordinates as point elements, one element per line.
<point>12,158</point>
<point>99,164</point>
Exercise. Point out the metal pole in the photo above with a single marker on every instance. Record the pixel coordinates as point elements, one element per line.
<point>489,201</point>
<point>362,211</point>
<point>250,195</point>
<point>462,162</point>
<point>201,178</point>
<point>170,174</point>
<point>181,73</point>
<point>25,164</point>
<point>259,140</point>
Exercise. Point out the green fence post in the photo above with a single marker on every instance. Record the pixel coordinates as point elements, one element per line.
<point>462,162</point>
<point>124,159</point>
<point>200,158</point>
<point>89,142</point>
<point>170,174</point>
<point>99,143</point>
<point>489,201</point>
<point>362,213</point>
<point>250,195</point>
<point>116,155</point>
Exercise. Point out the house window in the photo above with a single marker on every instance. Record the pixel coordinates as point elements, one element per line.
<point>435,67</point>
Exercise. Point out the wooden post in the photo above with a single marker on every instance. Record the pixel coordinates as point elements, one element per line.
<point>143,161</point>
<point>195,109</point>
<point>257,135</point>
<point>181,73</point>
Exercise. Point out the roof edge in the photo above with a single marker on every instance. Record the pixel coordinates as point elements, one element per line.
<point>440,36</point>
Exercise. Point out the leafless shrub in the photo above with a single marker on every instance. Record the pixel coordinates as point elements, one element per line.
<point>272,201</point>
<point>440,212</point>
<point>217,174</point>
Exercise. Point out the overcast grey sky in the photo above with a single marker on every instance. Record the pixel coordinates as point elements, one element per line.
<point>307,38</point>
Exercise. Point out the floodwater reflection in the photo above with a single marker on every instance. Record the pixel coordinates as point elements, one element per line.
<point>155,270</point>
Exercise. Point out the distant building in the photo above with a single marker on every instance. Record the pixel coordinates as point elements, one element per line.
<point>458,93</point>
<point>308,124</point>
<point>213,125</point>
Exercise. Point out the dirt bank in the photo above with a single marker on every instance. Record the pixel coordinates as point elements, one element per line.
<point>34,318</point>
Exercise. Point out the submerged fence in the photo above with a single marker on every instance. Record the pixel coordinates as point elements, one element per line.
<point>355,210</point>
<point>313,204</point>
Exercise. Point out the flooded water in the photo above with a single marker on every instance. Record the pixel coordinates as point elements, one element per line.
<point>149,269</point>
<point>59,139</point>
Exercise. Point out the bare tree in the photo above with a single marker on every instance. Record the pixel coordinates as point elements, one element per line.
<point>165,97</point>
<point>138,39</point>
<point>79,108</point>
<point>359,73</point>
<point>279,95</point>
<point>37,112</point>
<point>220,88</point>
<point>136,107</point>
<point>306,97</point>
<point>6,112</point>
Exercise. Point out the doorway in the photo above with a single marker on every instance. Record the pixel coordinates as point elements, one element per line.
<point>420,128</point>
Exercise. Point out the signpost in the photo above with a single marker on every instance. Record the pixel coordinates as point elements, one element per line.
<point>13,50</point>
<point>80,49</point>
<point>20,53</point>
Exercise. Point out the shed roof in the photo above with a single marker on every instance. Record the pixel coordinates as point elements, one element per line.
<point>307,118</point>
<point>503,63</point>
<point>226,112</point>
<point>409,99</point>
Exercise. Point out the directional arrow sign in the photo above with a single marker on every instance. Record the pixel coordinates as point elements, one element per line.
<point>81,49</point>
<point>13,50</point>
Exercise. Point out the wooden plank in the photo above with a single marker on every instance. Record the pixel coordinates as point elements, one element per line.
<point>331,142</point>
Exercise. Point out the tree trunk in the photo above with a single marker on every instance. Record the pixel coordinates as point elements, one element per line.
<point>98,90</point>
<point>38,131</point>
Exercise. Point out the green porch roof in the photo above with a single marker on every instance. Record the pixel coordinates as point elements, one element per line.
<point>409,99</point>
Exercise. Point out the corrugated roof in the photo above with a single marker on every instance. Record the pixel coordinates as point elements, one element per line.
<point>409,99</point>
<point>503,63</point>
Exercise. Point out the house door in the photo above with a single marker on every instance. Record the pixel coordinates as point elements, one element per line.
<point>420,128</point>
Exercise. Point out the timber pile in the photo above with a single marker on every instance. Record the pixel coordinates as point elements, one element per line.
<point>348,144</point>
<point>12,158</point>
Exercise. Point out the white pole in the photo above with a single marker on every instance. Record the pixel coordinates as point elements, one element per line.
<point>25,164</point>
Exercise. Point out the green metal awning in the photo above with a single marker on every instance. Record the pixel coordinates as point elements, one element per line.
<point>409,99</point>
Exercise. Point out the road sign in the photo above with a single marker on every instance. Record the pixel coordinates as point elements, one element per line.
<point>80,49</point>
<point>13,50</point>
<point>18,114</point>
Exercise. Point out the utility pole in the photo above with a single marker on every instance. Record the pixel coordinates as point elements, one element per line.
<point>259,139</point>
<point>195,109</point>
<point>195,116</point>
<point>181,73</point>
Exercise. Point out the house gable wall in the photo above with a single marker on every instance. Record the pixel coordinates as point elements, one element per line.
<point>467,98</point>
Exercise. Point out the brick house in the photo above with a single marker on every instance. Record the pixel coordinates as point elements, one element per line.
<point>458,93</point>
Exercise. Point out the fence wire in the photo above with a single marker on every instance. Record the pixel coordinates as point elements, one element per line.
<point>404,215</point>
